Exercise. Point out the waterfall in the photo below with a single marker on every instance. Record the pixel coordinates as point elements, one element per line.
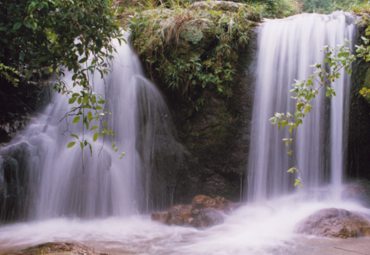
<point>286,50</point>
<point>57,181</point>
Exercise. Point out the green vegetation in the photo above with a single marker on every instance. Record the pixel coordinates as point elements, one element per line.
<point>328,6</point>
<point>191,47</point>
<point>41,38</point>
<point>163,37</point>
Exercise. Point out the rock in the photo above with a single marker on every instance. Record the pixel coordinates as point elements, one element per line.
<point>179,215</point>
<point>206,218</point>
<point>335,222</point>
<point>192,31</point>
<point>59,248</point>
<point>216,136</point>
<point>162,217</point>
<point>219,203</point>
<point>217,5</point>
<point>358,191</point>
<point>203,212</point>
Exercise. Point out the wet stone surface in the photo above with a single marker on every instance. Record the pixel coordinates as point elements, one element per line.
<point>335,222</point>
<point>204,212</point>
<point>59,248</point>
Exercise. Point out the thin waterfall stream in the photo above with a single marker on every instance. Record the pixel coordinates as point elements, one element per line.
<point>104,202</point>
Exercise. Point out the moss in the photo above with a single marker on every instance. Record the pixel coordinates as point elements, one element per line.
<point>191,33</point>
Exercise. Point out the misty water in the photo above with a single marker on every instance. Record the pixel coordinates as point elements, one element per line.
<point>103,202</point>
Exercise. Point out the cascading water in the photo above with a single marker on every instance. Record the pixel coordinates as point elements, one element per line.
<point>67,182</point>
<point>287,48</point>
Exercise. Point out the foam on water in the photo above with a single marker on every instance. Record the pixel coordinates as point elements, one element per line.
<point>256,230</point>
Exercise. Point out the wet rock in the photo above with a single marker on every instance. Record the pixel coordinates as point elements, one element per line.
<point>179,215</point>
<point>219,203</point>
<point>59,248</point>
<point>203,212</point>
<point>335,222</point>
<point>162,217</point>
<point>216,136</point>
<point>206,218</point>
<point>358,191</point>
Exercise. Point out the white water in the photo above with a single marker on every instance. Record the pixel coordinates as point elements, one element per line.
<point>266,228</point>
<point>62,182</point>
<point>253,230</point>
<point>286,50</point>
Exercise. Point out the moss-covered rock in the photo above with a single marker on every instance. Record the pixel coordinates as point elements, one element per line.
<point>201,57</point>
<point>216,133</point>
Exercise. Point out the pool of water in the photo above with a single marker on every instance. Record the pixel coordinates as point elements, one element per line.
<point>260,229</point>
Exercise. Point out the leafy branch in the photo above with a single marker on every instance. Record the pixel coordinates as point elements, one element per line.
<point>306,90</point>
<point>38,37</point>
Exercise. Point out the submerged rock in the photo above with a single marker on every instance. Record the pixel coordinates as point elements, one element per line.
<point>203,212</point>
<point>335,222</point>
<point>59,248</point>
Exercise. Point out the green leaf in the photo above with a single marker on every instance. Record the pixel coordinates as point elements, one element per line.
<point>297,182</point>
<point>96,135</point>
<point>291,170</point>
<point>75,136</point>
<point>17,25</point>
<point>71,144</point>
<point>83,60</point>
<point>72,100</point>
<point>76,119</point>
<point>90,116</point>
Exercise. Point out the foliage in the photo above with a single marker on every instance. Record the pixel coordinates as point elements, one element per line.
<point>364,50</point>
<point>6,72</point>
<point>162,38</point>
<point>360,7</point>
<point>279,8</point>
<point>40,38</point>
<point>328,6</point>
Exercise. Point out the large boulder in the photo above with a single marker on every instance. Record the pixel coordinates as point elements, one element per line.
<point>335,222</point>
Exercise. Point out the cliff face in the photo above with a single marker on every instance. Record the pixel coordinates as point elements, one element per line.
<point>212,126</point>
<point>17,104</point>
<point>358,161</point>
<point>216,137</point>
